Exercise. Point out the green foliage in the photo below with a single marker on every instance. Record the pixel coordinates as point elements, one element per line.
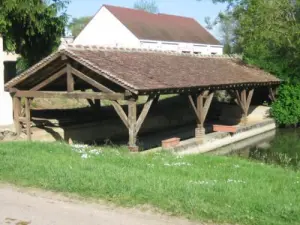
<point>77,25</point>
<point>266,32</point>
<point>32,28</point>
<point>146,5</point>
<point>286,109</point>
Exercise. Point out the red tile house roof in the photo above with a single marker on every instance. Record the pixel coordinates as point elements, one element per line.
<point>141,71</point>
<point>162,27</point>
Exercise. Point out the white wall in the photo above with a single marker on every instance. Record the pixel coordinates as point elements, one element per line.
<point>193,48</point>
<point>106,30</point>
<point>6,109</point>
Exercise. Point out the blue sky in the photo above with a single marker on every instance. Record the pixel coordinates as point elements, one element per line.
<point>190,8</point>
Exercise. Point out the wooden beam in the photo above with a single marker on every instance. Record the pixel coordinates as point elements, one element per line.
<point>132,124</point>
<point>70,78</point>
<point>28,119</point>
<point>121,113</point>
<point>49,80</point>
<point>143,114</point>
<point>17,113</point>
<point>76,95</point>
<point>91,81</point>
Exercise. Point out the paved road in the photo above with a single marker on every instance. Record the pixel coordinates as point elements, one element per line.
<point>35,207</point>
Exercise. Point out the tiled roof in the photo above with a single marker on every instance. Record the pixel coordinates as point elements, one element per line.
<point>139,70</point>
<point>162,27</point>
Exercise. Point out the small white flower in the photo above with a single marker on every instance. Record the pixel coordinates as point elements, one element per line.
<point>178,164</point>
<point>85,156</point>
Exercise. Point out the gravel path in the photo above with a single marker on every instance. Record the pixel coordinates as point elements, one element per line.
<point>36,207</point>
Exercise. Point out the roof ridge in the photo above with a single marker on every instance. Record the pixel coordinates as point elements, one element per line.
<point>127,49</point>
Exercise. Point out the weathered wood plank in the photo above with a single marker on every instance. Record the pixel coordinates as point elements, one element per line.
<point>76,95</point>
<point>17,113</point>
<point>70,78</point>
<point>132,123</point>
<point>49,80</point>
<point>120,112</point>
<point>200,108</point>
<point>143,114</point>
<point>28,119</point>
<point>91,81</point>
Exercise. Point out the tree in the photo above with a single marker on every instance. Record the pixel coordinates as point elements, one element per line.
<point>226,26</point>
<point>32,28</point>
<point>77,25</point>
<point>147,5</point>
<point>267,32</point>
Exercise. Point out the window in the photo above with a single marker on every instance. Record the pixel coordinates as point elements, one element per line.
<point>197,53</point>
<point>186,52</point>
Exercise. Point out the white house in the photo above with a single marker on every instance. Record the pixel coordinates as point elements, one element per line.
<point>123,27</point>
<point>7,67</point>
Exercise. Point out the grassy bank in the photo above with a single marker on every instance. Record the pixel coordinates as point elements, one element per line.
<point>205,188</point>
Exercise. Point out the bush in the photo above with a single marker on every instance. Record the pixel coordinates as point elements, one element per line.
<point>286,109</point>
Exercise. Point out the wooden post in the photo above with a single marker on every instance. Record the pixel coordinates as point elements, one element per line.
<point>204,100</point>
<point>28,118</point>
<point>132,121</point>
<point>243,99</point>
<point>132,125</point>
<point>17,113</point>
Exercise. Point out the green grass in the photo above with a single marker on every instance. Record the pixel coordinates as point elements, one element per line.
<point>204,188</point>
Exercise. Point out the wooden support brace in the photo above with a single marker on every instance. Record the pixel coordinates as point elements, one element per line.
<point>144,113</point>
<point>244,100</point>
<point>201,109</point>
<point>121,113</point>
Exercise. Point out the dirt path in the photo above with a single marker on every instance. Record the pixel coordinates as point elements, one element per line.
<point>35,207</point>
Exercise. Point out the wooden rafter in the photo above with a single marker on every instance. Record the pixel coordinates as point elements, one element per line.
<point>76,95</point>
<point>91,81</point>
<point>50,79</point>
